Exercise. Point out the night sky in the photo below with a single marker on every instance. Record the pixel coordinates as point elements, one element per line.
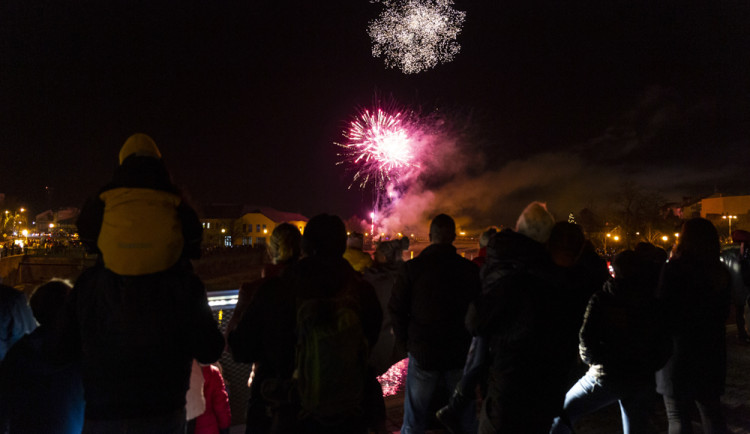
<point>562,102</point>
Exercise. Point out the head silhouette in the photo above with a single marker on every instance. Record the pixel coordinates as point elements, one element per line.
<point>325,235</point>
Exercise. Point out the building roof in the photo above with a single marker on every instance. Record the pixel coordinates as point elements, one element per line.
<point>275,215</point>
<point>234,211</point>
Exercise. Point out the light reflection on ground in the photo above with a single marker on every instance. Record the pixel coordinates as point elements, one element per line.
<point>394,379</point>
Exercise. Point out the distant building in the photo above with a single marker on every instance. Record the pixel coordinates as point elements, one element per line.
<point>235,224</point>
<point>60,222</point>
<point>218,222</point>
<point>716,206</point>
<point>257,223</point>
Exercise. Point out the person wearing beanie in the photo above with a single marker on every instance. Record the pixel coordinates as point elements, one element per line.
<point>139,222</point>
<point>139,145</point>
<point>151,316</point>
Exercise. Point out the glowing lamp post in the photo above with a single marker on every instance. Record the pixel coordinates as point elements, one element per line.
<point>729,218</point>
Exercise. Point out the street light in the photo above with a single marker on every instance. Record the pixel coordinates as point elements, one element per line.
<point>729,218</point>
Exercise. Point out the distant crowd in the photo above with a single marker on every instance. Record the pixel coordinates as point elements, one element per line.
<point>528,337</point>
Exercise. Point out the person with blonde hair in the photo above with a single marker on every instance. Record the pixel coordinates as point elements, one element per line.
<point>257,302</point>
<point>519,314</point>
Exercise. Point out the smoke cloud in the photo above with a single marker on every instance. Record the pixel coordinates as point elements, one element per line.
<point>657,144</point>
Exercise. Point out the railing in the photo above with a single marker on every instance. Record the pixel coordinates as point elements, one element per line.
<point>78,252</point>
<point>235,374</point>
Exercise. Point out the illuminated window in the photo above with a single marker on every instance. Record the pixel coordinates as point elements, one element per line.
<point>228,241</point>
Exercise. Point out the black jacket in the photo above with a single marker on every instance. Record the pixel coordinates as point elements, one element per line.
<point>622,334</point>
<point>428,307</point>
<point>136,338</point>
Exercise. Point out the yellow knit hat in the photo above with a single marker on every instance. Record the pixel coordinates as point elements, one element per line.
<point>139,144</point>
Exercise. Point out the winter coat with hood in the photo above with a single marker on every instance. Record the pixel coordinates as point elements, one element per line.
<point>139,222</point>
<point>428,306</point>
<point>218,417</point>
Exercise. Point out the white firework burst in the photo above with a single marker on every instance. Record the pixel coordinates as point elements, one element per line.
<point>416,35</point>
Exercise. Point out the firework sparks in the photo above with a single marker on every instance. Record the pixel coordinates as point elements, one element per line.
<point>379,146</point>
<point>416,35</point>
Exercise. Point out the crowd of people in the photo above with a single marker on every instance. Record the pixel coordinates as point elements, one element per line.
<point>527,338</point>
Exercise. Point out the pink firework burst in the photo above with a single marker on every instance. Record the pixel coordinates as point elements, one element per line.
<point>379,146</point>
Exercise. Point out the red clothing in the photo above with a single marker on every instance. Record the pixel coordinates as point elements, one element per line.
<point>481,257</point>
<point>217,415</point>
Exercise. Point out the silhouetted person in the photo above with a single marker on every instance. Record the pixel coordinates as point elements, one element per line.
<point>308,289</point>
<point>737,260</point>
<point>16,318</point>
<point>484,239</point>
<point>354,254</point>
<point>252,333</point>
<point>428,307</point>
<point>139,223</point>
<point>519,313</point>
<point>622,342</point>
<point>38,394</point>
<point>694,296</point>
<point>138,318</point>
<point>382,276</point>
<point>580,272</point>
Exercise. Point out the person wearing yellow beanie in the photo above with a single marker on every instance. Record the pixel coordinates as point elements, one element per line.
<point>141,145</point>
<point>138,318</point>
<point>139,223</point>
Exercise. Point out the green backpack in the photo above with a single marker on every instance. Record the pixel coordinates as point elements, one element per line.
<point>332,354</point>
